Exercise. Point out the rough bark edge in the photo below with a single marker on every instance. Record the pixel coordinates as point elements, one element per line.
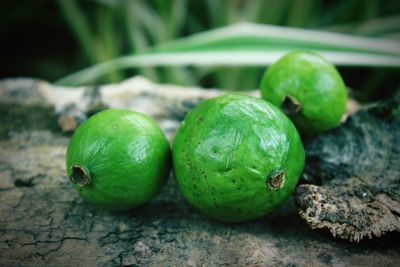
<point>357,166</point>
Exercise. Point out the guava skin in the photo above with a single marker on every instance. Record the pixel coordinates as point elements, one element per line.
<point>127,155</point>
<point>225,151</point>
<point>314,83</point>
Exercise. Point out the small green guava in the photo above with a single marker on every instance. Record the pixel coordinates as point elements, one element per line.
<point>308,89</point>
<point>118,159</point>
<point>237,158</point>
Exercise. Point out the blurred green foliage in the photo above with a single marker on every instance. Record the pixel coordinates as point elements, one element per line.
<point>106,29</point>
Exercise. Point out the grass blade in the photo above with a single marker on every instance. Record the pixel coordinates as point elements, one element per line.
<point>249,44</point>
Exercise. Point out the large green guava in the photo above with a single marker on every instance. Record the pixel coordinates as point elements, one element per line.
<point>118,159</point>
<point>308,89</point>
<point>237,158</point>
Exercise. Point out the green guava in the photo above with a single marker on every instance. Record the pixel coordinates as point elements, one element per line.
<point>308,89</point>
<point>118,159</point>
<point>237,158</point>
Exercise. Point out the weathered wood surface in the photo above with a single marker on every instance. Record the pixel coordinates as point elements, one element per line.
<point>44,221</point>
<point>358,169</point>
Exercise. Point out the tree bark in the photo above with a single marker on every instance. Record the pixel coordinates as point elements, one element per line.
<point>44,221</point>
<point>357,171</point>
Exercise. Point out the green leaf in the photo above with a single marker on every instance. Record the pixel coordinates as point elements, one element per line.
<point>250,44</point>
